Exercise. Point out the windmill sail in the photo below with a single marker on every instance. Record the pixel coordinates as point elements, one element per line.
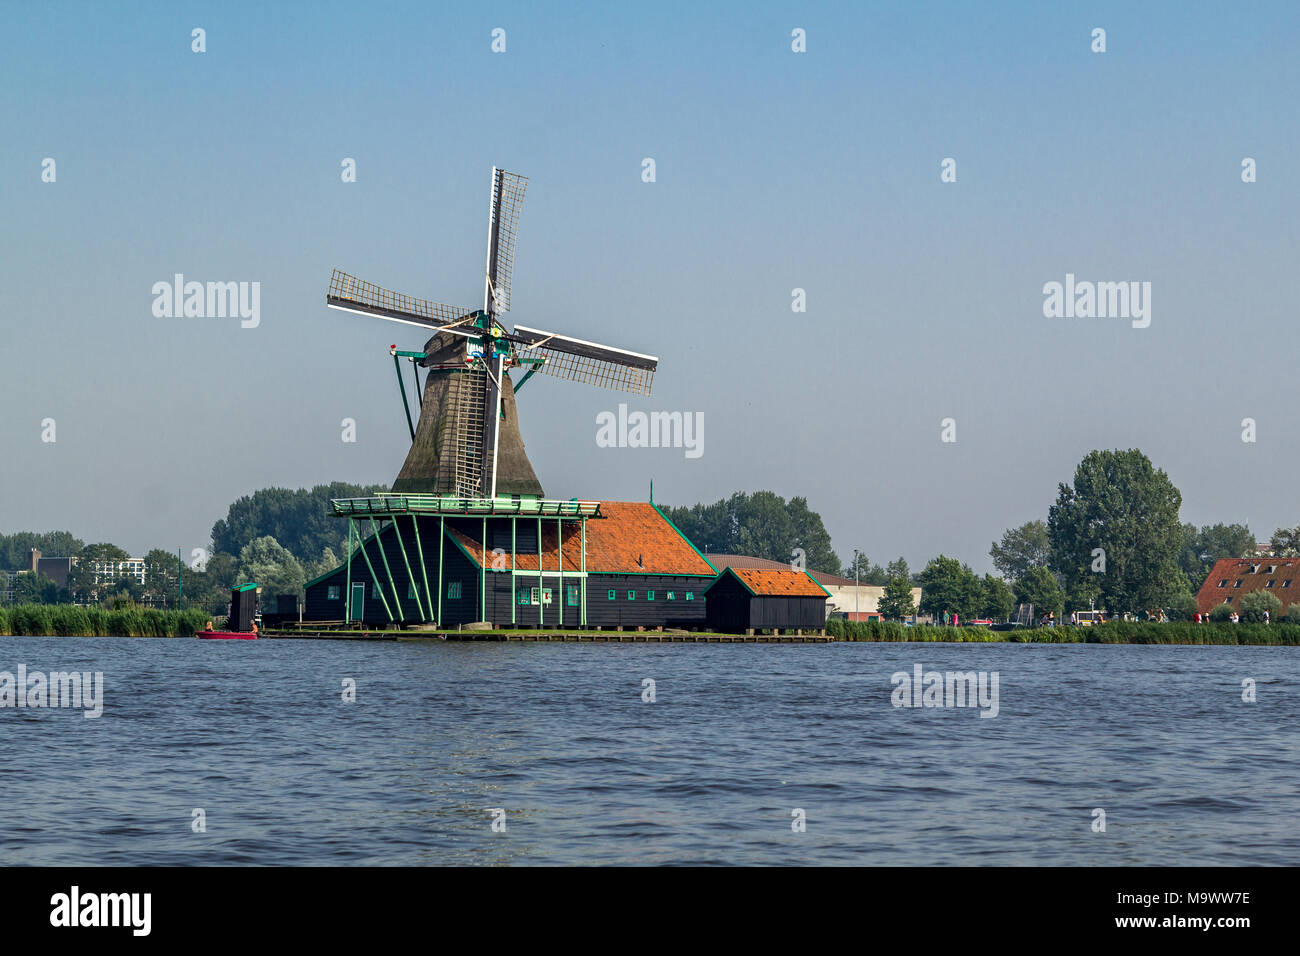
<point>507,201</point>
<point>351,294</point>
<point>581,361</point>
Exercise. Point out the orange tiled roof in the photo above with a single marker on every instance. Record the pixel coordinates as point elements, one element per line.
<point>631,538</point>
<point>765,582</point>
<point>1254,575</point>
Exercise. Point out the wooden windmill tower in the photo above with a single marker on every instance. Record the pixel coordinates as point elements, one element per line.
<point>468,443</point>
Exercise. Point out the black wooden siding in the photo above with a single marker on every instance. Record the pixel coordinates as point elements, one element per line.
<point>502,598</point>
<point>733,609</point>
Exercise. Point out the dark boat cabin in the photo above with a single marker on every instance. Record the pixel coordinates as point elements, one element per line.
<point>742,599</point>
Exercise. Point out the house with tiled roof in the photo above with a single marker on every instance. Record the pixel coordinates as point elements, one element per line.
<point>525,563</point>
<point>1233,578</point>
<point>745,599</point>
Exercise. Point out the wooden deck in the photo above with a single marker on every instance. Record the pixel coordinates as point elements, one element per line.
<point>581,637</point>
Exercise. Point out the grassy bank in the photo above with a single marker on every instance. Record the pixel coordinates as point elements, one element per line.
<point>67,620</point>
<point>1115,632</point>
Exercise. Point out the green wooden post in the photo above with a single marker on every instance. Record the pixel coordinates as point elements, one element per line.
<point>482,576</point>
<point>541,608</point>
<point>583,583</point>
<point>374,577</point>
<point>389,571</point>
<point>410,576</point>
<point>424,571</point>
<point>514,588</point>
<point>442,536</point>
<point>347,601</point>
<point>559,546</point>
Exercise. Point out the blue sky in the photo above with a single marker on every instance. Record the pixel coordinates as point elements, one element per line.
<point>775,171</point>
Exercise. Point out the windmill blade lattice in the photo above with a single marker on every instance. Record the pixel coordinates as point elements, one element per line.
<point>356,295</point>
<point>507,202</point>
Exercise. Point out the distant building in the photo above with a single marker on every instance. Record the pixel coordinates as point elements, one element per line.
<point>848,598</point>
<point>1232,578</point>
<point>110,572</point>
<point>56,569</point>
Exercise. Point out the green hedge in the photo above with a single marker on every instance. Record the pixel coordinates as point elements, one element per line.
<point>1113,632</point>
<point>67,620</point>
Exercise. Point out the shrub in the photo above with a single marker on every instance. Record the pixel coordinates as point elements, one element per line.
<point>1254,604</point>
<point>1292,615</point>
<point>1220,613</point>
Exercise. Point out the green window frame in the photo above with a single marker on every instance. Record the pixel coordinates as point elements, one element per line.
<point>374,590</point>
<point>524,597</point>
<point>454,590</point>
<point>631,595</point>
<point>690,595</point>
<point>571,595</point>
<point>672,595</point>
<point>334,593</point>
<point>612,594</point>
<point>534,595</point>
<point>410,591</point>
<point>649,595</point>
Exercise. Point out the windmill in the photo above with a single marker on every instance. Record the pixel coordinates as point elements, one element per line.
<point>468,442</point>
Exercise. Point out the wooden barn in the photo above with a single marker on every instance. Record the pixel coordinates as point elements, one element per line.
<point>523,563</point>
<point>743,599</point>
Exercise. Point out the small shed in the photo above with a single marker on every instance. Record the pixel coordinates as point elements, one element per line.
<point>741,599</point>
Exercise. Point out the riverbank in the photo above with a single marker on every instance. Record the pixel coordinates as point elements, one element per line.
<point>1113,632</point>
<point>69,620</point>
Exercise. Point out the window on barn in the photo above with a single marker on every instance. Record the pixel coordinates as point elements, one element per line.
<point>534,595</point>
<point>571,595</point>
<point>410,591</point>
<point>523,597</point>
<point>612,595</point>
<point>631,595</point>
<point>334,593</point>
<point>649,595</point>
<point>672,595</point>
<point>374,590</point>
<point>690,595</point>
<point>453,590</point>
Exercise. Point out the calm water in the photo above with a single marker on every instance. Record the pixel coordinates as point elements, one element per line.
<point>257,735</point>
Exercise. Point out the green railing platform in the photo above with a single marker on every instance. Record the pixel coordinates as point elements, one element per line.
<point>384,505</point>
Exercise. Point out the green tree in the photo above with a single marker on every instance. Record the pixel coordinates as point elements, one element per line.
<point>1293,614</point>
<point>999,599</point>
<point>898,569</point>
<point>1040,588</point>
<point>867,573</point>
<point>1254,604</point>
<point>266,562</point>
<point>948,586</point>
<point>1285,542</point>
<point>1020,549</point>
<point>1202,547</point>
<point>896,603</point>
<point>37,589</point>
<point>16,549</point>
<point>300,520</point>
<point>84,581</point>
<point>1128,509</point>
<point>1182,606</point>
<point>1220,613</point>
<point>762,524</point>
<point>160,570</point>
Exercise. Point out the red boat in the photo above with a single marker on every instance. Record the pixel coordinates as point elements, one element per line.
<point>228,635</point>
